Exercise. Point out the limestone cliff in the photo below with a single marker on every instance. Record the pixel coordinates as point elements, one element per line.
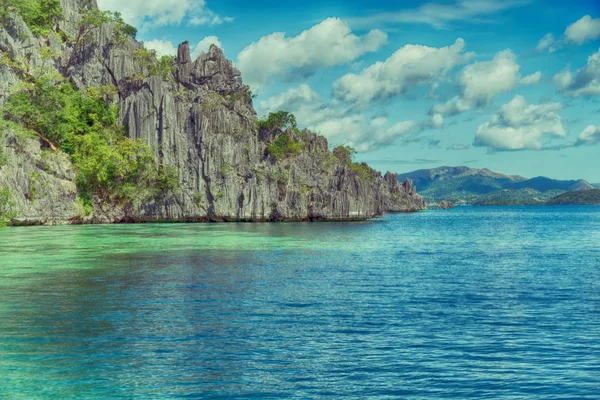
<point>201,120</point>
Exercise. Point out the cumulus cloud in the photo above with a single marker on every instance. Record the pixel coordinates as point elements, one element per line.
<point>204,45</point>
<point>411,65</point>
<point>454,106</point>
<point>547,42</point>
<point>479,83</point>
<point>364,134</point>
<point>329,43</point>
<point>585,82</point>
<point>291,99</point>
<point>589,136</point>
<point>531,79</point>
<point>582,30</point>
<point>342,124</point>
<point>519,126</point>
<point>587,28</point>
<point>441,15</point>
<point>162,47</point>
<point>166,48</point>
<point>152,13</point>
<point>482,81</point>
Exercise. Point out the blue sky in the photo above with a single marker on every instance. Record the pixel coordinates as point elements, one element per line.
<point>510,85</point>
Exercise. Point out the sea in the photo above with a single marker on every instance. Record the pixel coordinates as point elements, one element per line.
<point>474,302</point>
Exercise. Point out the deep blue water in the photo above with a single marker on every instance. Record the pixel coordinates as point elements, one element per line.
<point>494,303</point>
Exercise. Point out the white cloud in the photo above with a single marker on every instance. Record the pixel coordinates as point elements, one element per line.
<point>162,47</point>
<point>407,67</point>
<point>437,121</point>
<point>354,130</point>
<point>479,83</point>
<point>454,106</point>
<point>589,136</point>
<point>587,28</point>
<point>204,45</point>
<point>482,81</point>
<point>440,15</point>
<point>518,126</point>
<point>343,125</point>
<point>291,99</point>
<point>151,13</point>
<point>547,42</point>
<point>166,48</point>
<point>329,43</point>
<point>460,147</point>
<point>582,30</point>
<point>209,19</point>
<point>531,79</point>
<point>585,82</point>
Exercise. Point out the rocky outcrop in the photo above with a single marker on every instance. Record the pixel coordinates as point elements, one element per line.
<point>445,205</point>
<point>201,120</point>
<point>41,182</point>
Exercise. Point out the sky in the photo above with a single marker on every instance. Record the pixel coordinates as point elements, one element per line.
<point>509,85</point>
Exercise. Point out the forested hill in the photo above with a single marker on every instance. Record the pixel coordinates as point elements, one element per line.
<point>96,128</point>
<point>580,197</point>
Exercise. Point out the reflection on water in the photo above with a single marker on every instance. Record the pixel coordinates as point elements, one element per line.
<point>474,302</point>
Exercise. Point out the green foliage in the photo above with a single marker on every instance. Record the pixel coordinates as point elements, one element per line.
<point>3,156</point>
<point>117,169</point>
<point>345,155</point>
<point>198,198</point>
<point>327,161</point>
<point>284,146</point>
<point>6,206</point>
<point>39,15</point>
<point>211,101</point>
<point>18,66</point>
<point>86,207</point>
<point>94,19</point>
<point>364,172</point>
<point>150,65</point>
<point>57,113</point>
<point>282,176</point>
<point>245,96</point>
<point>110,166</point>
<point>305,190</point>
<point>281,119</point>
<point>226,169</point>
<point>35,183</point>
<point>580,197</point>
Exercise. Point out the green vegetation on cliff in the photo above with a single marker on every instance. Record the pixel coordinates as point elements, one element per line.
<point>6,206</point>
<point>278,120</point>
<point>39,15</point>
<point>110,166</point>
<point>149,64</point>
<point>284,146</point>
<point>345,154</point>
<point>580,197</point>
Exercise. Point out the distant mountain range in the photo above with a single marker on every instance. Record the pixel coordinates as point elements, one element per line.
<point>466,186</point>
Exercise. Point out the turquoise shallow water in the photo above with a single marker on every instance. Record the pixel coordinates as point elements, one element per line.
<point>498,303</point>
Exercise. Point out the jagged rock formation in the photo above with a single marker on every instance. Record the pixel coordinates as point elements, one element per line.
<point>200,120</point>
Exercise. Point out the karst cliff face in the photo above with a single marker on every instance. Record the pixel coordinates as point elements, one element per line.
<point>200,120</point>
